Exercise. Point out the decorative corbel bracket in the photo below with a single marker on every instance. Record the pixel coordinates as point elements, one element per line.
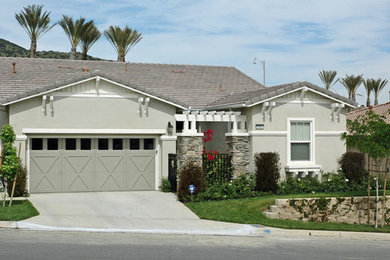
<point>44,104</point>
<point>265,106</point>
<point>271,105</point>
<point>51,104</point>
<point>139,110</point>
<point>146,106</point>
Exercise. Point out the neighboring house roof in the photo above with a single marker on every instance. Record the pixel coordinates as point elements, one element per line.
<point>252,97</point>
<point>187,85</point>
<point>381,109</point>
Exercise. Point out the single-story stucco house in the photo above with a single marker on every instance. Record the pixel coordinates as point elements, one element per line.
<point>105,126</point>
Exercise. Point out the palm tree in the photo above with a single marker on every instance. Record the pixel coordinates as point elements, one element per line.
<point>74,30</point>
<point>35,23</point>
<point>368,84</point>
<point>90,36</point>
<point>122,40</point>
<point>377,87</point>
<point>327,77</point>
<point>352,83</point>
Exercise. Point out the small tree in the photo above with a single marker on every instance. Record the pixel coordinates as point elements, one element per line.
<point>10,163</point>
<point>370,134</point>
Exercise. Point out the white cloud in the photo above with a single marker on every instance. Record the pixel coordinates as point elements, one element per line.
<point>296,38</point>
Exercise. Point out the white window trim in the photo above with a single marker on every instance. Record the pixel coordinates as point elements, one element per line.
<point>312,144</point>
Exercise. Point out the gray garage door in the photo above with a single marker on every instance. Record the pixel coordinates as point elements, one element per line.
<point>92,164</point>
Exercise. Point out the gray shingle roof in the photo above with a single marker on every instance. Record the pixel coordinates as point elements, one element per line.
<point>253,96</point>
<point>186,85</point>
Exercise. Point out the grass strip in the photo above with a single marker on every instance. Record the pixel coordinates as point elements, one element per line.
<point>20,209</point>
<point>250,211</point>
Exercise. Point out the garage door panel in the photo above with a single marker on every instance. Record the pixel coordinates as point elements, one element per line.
<point>85,166</point>
<point>46,169</point>
<point>78,173</point>
<point>141,171</point>
<point>110,172</point>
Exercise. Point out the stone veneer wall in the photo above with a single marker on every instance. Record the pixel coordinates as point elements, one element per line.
<point>238,147</point>
<point>351,210</point>
<point>189,148</point>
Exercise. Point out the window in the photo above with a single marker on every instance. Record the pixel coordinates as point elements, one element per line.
<point>103,144</point>
<point>70,144</point>
<point>117,144</point>
<point>134,144</point>
<point>52,144</point>
<point>300,141</point>
<point>85,144</point>
<point>37,144</point>
<point>148,144</point>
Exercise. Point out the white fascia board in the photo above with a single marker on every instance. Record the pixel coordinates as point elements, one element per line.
<point>92,131</point>
<point>298,89</point>
<point>93,78</point>
<point>328,133</point>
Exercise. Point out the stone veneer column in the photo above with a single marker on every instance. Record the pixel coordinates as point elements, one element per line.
<point>189,148</point>
<point>238,147</point>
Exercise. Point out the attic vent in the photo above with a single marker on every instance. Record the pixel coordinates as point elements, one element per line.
<point>64,67</point>
<point>13,67</point>
<point>177,71</point>
<point>85,69</point>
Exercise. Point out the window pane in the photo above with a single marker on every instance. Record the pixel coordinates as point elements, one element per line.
<point>52,144</point>
<point>70,144</point>
<point>117,144</point>
<point>148,144</point>
<point>300,152</point>
<point>37,144</point>
<point>85,144</point>
<point>300,131</point>
<point>103,144</point>
<point>134,144</point>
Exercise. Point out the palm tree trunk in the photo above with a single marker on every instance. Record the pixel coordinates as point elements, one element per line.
<point>376,99</point>
<point>121,58</point>
<point>85,56</point>
<point>33,48</point>
<point>368,102</point>
<point>353,96</point>
<point>72,54</point>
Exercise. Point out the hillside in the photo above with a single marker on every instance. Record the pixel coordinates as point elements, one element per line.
<point>9,49</point>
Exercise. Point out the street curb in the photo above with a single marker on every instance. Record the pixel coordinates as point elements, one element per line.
<point>323,233</point>
<point>246,230</point>
<point>7,224</point>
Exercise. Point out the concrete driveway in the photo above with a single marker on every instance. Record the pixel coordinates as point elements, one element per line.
<point>143,212</point>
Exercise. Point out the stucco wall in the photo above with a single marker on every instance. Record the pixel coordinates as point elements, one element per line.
<point>273,138</point>
<point>218,143</point>
<point>118,111</point>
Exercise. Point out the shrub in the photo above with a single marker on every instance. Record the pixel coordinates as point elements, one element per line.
<point>267,172</point>
<point>330,182</point>
<point>353,166</point>
<point>241,187</point>
<point>165,185</point>
<point>299,185</point>
<point>20,185</point>
<point>190,173</point>
<point>10,162</point>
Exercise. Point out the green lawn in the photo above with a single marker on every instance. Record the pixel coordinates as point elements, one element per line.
<point>250,211</point>
<point>20,209</point>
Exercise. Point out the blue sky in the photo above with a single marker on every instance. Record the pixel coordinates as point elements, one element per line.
<point>296,38</point>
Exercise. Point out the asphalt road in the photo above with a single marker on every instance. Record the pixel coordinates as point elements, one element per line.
<point>19,244</point>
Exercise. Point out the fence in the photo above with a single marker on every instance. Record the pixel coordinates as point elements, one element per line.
<point>219,169</point>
